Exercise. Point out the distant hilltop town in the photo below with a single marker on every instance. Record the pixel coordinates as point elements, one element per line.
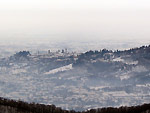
<point>63,52</point>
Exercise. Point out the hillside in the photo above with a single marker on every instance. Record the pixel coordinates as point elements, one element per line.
<point>78,81</point>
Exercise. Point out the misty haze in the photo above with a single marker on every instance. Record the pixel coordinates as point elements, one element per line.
<point>75,54</point>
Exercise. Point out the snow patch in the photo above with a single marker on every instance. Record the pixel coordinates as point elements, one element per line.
<point>61,69</point>
<point>139,69</point>
<point>125,77</point>
<point>130,62</point>
<point>119,59</point>
<point>18,71</point>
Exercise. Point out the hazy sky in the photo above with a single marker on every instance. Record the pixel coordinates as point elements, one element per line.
<point>67,19</point>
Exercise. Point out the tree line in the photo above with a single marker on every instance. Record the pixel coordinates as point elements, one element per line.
<point>12,106</point>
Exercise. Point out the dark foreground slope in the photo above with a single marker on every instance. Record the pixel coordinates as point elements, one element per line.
<point>11,106</point>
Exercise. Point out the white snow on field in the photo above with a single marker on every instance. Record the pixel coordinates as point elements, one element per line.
<point>131,62</point>
<point>61,69</point>
<point>125,77</point>
<point>139,69</point>
<point>17,71</point>
<point>97,88</point>
<point>119,59</point>
<point>117,93</point>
